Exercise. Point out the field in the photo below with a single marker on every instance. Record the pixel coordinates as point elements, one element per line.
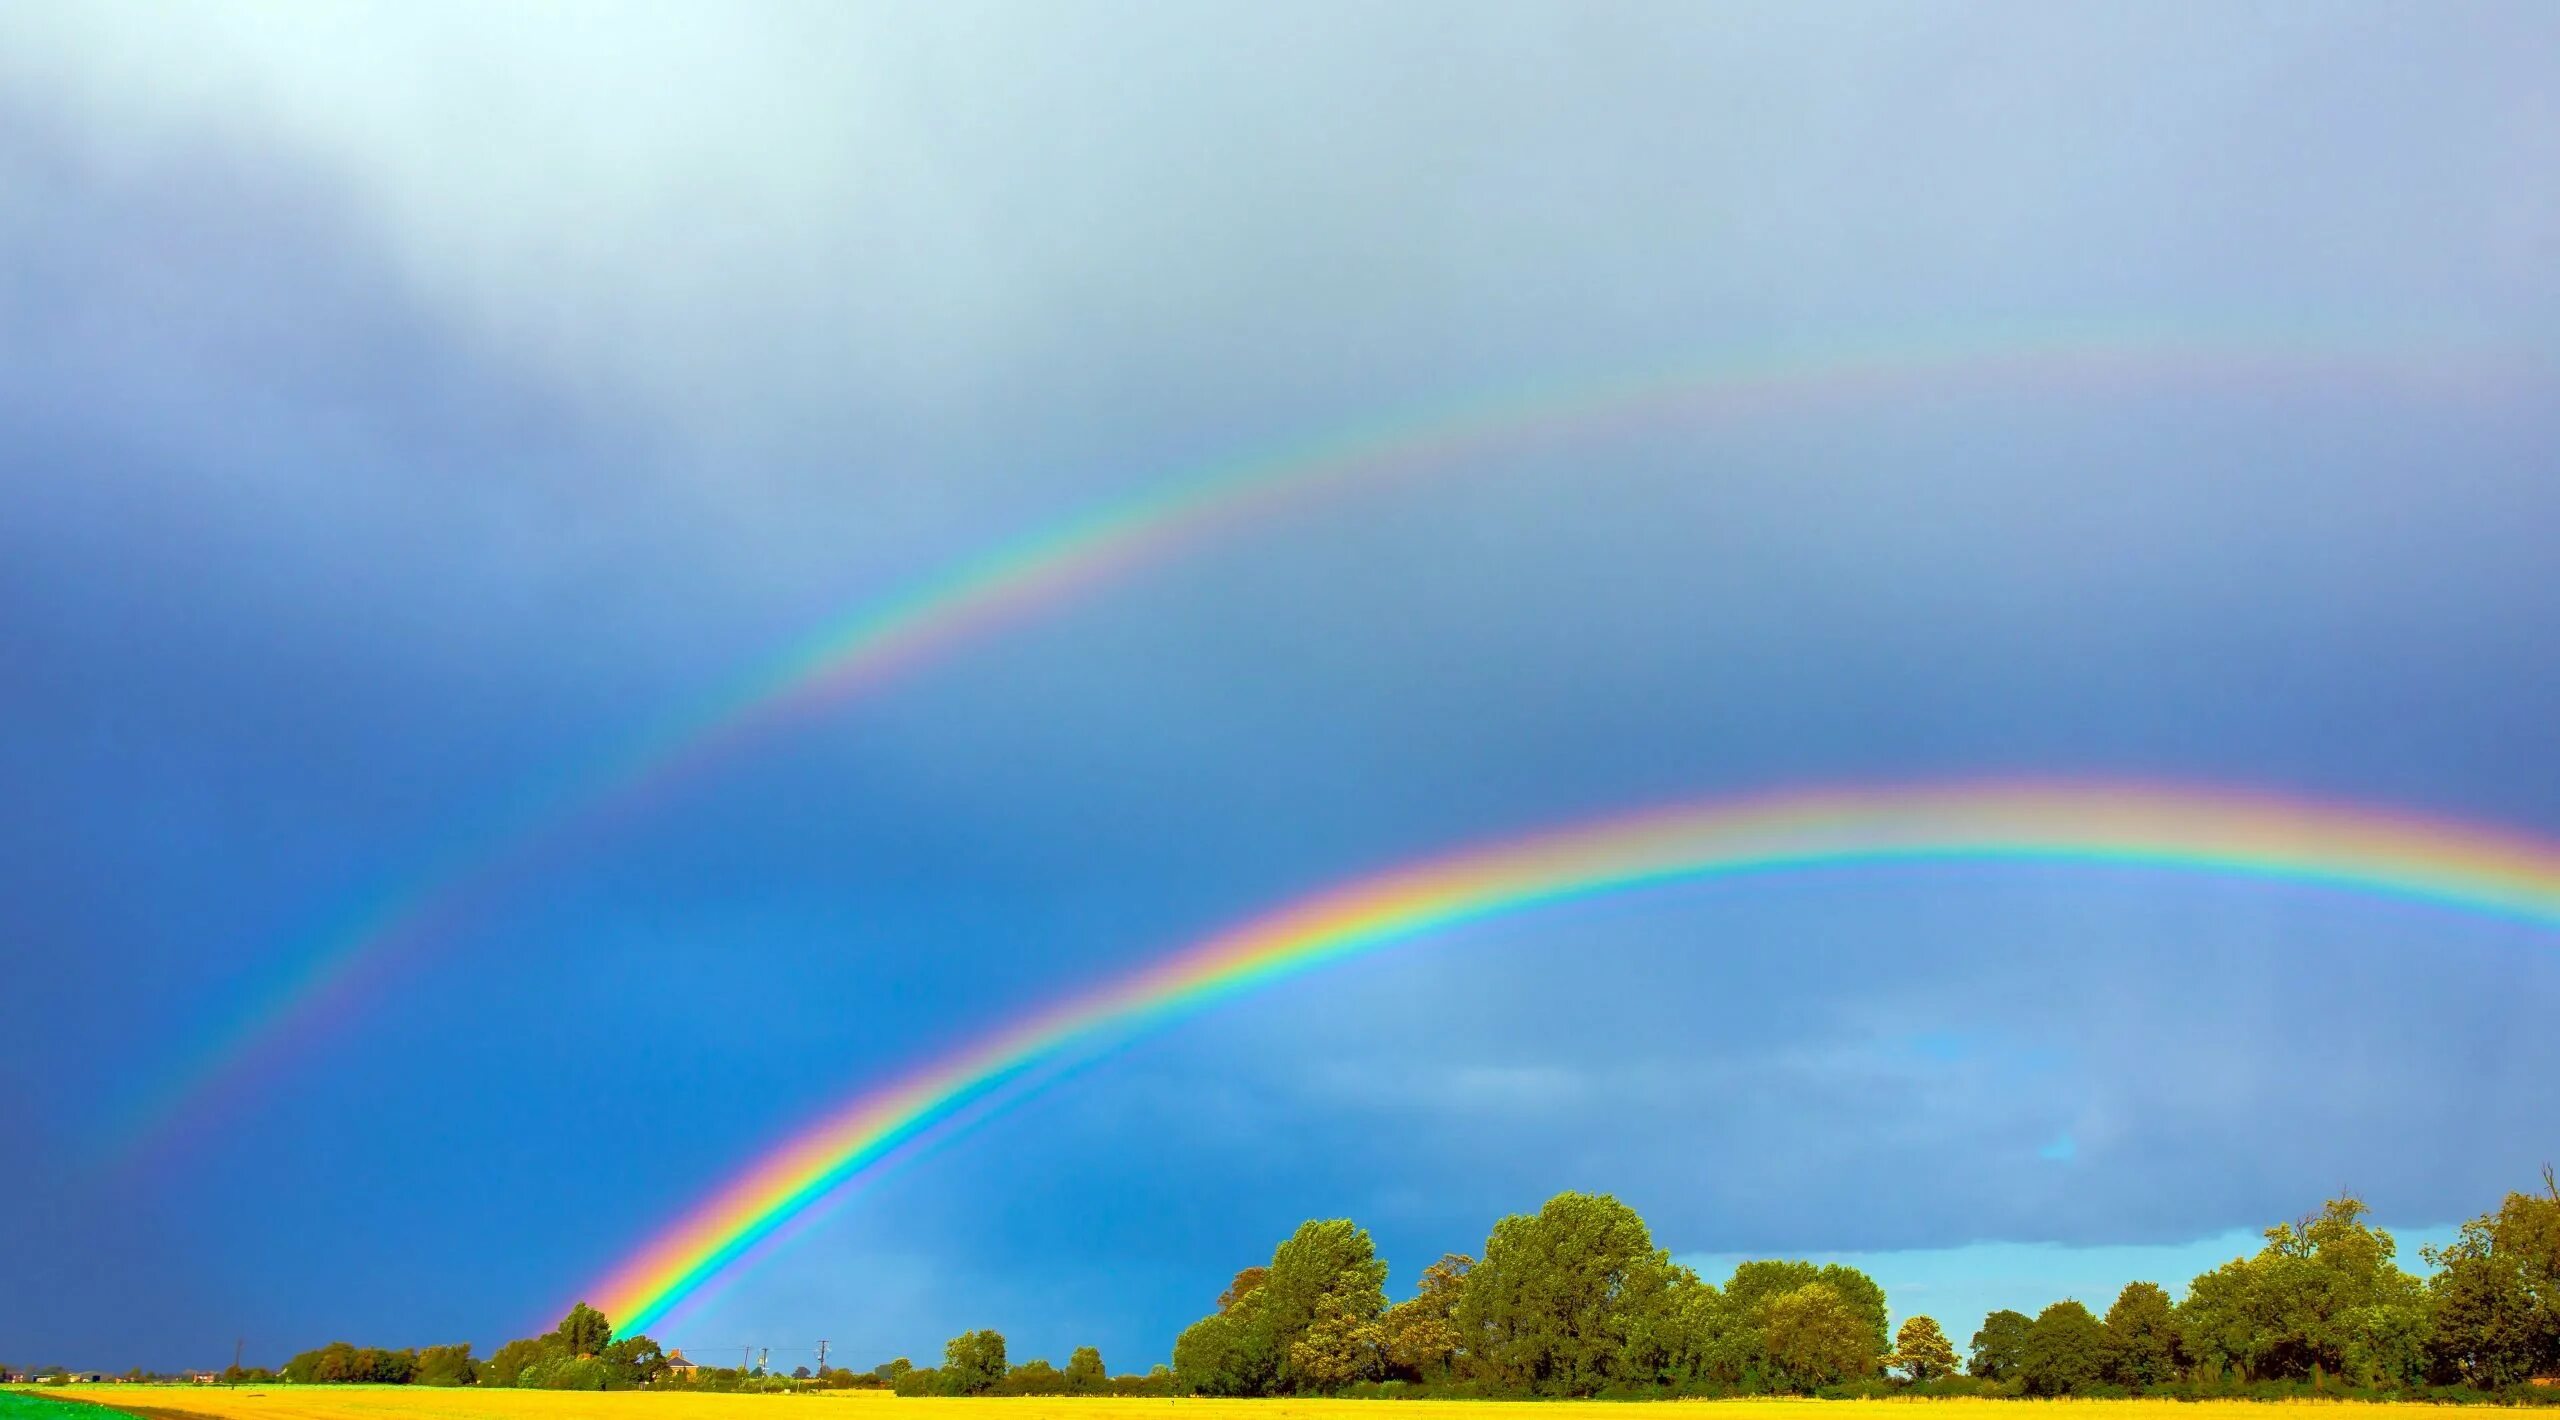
<point>419,1403</point>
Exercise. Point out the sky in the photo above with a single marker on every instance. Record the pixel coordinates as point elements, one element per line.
<point>397,405</point>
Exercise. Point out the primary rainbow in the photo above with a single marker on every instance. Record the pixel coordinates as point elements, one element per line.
<point>2467,867</point>
<point>882,638</point>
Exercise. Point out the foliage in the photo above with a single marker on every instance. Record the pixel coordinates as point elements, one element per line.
<point>1922,1352</point>
<point>1085,1375</point>
<point>1814,1337</point>
<point>1307,1323</point>
<point>584,1331</point>
<point>445,1365</point>
<point>2000,1347</point>
<point>2062,1351</point>
<point>1568,1300</point>
<point>2322,1296</point>
<point>2141,1345</point>
<point>973,1363</point>
<point>2496,1295</point>
<point>1419,1336</point>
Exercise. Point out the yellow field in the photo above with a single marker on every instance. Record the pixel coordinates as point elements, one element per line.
<point>424,1403</point>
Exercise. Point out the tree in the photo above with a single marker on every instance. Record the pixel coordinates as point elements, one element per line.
<point>1814,1338</point>
<point>2000,1347</point>
<point>2322,1295</point>
<point>446,1366</point>
<point>584,1331</point>
<point>1085,1375</point>
<point>1035,1377</point>
<point>2141,1347</point>
<point>973,1363</point>
<point>1922,1351</point>
<point>2062,1350</point>
<point>512,1360</point>
<point>890,1371</point>
<point>2496,1294</point>
<point>1568,1299</point>
<point>1419,1336</point>
<point>1246,1283</point>
<point>1319,1302</point>
<point>635,1361</point>
<point>1216,1355</point>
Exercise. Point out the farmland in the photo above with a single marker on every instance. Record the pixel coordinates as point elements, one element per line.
<point>413,1403</point>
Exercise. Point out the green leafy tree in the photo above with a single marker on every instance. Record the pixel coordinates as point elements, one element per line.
<point>1815,1338</point>
<point>2000,1347</point>
<point>2142,1338</point>
<point>1247,1282</point>
<point>2496,1294</point>
<point>2063,1350</point>
<point>1568,1299</point>
<point>1218,1355</point>
<point>507,1367</point>
<point>1085,1375</point>
<point>1721,1335</point>
<point>890,1371</point>
<point>1922,1351</point>
<point>1419,1336</point>
<point>446,1366</point>
<point>584,1331</point>
<point>973,1363</point>
<point>2323,1295</point>
<point>1319,1303</point>
<point>635,1361</point>
<point>1035,1377</point>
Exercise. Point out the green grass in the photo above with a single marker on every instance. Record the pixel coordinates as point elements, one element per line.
<point>35,1405</point>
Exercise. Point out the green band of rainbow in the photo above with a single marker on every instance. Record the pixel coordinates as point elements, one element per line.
<point>2465,867</point>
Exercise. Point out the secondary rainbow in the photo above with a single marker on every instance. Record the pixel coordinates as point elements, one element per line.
<point>2465,867</point>
<point>875,642</point>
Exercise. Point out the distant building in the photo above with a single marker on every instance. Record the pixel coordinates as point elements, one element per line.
<point>203,1377</point>
<point>677,1365</point>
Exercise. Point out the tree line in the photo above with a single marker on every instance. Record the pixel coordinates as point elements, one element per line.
<point>1575,1300</point>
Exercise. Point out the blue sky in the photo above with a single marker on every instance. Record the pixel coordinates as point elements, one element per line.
<point>398,405</point>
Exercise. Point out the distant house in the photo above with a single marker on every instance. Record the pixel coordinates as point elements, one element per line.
<point>677,1365</point>
<point>203,1377</point>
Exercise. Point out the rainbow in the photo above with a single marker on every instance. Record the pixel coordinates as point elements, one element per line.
<point>2465,867</point>
<point>875,643</point>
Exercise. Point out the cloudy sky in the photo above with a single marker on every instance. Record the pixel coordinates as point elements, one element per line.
<point>397,405</point>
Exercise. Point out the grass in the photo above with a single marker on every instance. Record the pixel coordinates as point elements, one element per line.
<point>425,1403</point>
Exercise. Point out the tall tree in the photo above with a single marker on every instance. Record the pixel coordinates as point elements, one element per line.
<point>1568,1299</point>
<point>446,1366</point>
<point>1922,1351</point>
<point>1419,1336</point>
<point>2062,1350</point>
<point>973,1363</point>
<point>2496,1293</point>
<point>1816,1338</point>
<point>1085,1374</point>
<point>2324,1293</point>
<point>2142,1338</point>
<point>1319,1305</point>
<point>584,1331</point>
<point>2000,1347</point>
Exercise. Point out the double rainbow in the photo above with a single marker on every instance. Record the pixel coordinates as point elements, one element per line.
<point>2465,867</point>
<point>880,640</point>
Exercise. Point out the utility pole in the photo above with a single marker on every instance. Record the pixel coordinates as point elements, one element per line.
<point>822,1358</point>
<point>746,1359</point>
<point>237,1342</point>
